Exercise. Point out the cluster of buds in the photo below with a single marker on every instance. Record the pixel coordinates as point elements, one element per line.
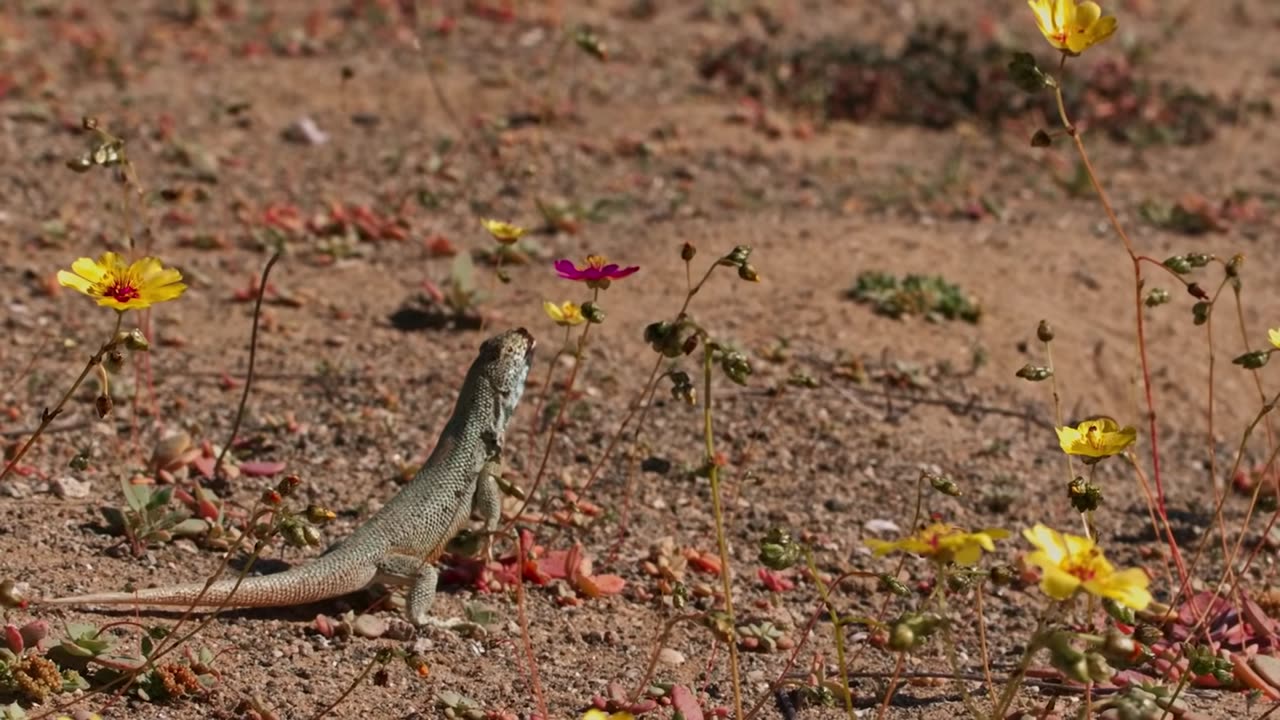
<point>113,361</point>
<point>1079,665</point>
<point>911,630</point>
<point>592,312</point>
<point>672,339</point>
<point>682,387</point>
<point>107,151</point>
<point>1084,496</point>
<point>298,530</point>
<point>738,258</point>
<point>1183,264</point>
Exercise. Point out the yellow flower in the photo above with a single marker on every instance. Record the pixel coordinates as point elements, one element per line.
<point>598,714</point>
<point>1274,337</point>
<point>1097,438</point>
<point>123,287</point>
<point>945,542</point>
<point>1072,28</point>
<point>565,315</point>
<point>503,232</point>
<point>1071,563</point>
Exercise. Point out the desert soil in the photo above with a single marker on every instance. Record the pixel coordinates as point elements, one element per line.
<point>436,118</point>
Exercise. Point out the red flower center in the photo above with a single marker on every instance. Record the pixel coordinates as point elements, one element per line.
<point>121,291</point>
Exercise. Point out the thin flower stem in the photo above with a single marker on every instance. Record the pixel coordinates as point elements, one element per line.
<point>1057,405</point>
<point>1024,664</point>
<point>713,475</point>
<point>382,657</point>
<point>949,641</point>
<point>48,415</point>
<point>253,356</point>
<point>555,425</point>
<point>1141,321</point>
<point>535,680</point>
<point>892,688</point>
<point>982,641</point>
<point>837,627</point>
<point>642,407</point>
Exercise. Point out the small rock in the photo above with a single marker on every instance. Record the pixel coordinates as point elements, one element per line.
<point>400,629</point>
<point>69,487</point>
<point>16,489</point>
<point>837,505</point>
<point>369,626</point>
<point>881,527</point>
<point>304,131</point>
<point>670,656</point>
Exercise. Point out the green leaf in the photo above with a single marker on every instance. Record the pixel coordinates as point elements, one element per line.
<point>136,495</point>
<point>160,497</point>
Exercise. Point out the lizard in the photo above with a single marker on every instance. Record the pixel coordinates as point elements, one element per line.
<point>401,542</point>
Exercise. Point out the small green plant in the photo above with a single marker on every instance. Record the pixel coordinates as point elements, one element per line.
<point>929,296</point>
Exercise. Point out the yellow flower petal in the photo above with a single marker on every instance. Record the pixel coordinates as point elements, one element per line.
<point>71,280</point>
<point>90,270</point>
<point>1087,13</point>
<point>1274,337</point>
<point>1048,541</point>
<point>1057,583</point>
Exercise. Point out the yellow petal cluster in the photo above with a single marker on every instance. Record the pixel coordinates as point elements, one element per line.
<point>1096,438</point>
<point>1072,28</point>
<point>565,314</point>
<point>947,543</point>
<point>122,286</point>
<point>1070,563</point>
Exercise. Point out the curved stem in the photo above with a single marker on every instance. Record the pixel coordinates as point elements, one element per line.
<point>713,475</point>
<point>48,416</point>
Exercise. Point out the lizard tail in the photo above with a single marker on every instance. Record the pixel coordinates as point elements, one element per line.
<point>299,586</point>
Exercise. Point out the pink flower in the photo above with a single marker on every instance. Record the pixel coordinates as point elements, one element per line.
<point>596,273</point>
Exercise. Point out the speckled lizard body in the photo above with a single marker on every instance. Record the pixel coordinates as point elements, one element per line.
<point>402,541</point>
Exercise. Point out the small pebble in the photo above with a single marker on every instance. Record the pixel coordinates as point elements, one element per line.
<point>369,626</point>
<point>670,656</point>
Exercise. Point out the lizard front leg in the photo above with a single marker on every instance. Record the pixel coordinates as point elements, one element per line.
<point>487,502</point>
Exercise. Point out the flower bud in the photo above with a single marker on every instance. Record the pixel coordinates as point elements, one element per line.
<point>737,257</point>
<point>1253,360</point>
<point>114,361</point>
<point>736,366</point>
<point>1084,496</point>
<point>748,272</point>
<point>1179,264</point>
<point>894,585</point>
<point>81,164</point>
<point>1197,292</point>
<point>1003,575</point>
<point>1040,139</point>
<point>1200,313</point>
<point>136,341</point>
<point>1198,260</point>
<point>592,312</point>
<point>1044,331</point>
<point>103,404</point>
<point>778,551</point>
<point>1148,634</point>
<point>320,515</point>
<point>687,251</point>
<point>1157,296</point>
<point>1034,373</point>
<point>943,484</point>
<point>287,485</point>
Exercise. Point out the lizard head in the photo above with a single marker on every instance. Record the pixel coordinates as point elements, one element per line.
<point>504,361</point>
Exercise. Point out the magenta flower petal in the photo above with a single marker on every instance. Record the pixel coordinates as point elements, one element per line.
<point>625,272</point>
<point>566,270</point>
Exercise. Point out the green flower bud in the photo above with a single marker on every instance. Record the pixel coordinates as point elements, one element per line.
<point>1084,496</point>
<point>736,366</point>
<point>1179,264</point>
<point>778,551</point>
<point>1200,313</point>
<point>1034,373</point>
<point>1253,360</point>
<point>1044,332</point>
<point>1157,296</point>
<point>592,312</point>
